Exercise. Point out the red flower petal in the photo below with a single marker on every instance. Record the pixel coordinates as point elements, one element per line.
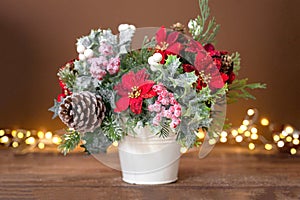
<point>172,37</point>
<point>122,104</point>
<point>161,35</point>
<point>136,105</point>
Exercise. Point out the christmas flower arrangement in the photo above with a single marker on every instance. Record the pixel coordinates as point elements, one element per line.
<point>172,84</point>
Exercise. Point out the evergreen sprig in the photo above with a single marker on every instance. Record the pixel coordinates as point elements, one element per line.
<point>70,141</point>
<point>238,89</point>
<point>203,28</point>
<point>68,76</point>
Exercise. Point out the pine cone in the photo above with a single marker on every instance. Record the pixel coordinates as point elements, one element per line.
<point>83,111</point>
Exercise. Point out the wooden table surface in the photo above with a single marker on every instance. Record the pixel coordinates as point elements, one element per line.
<point>227,173</point>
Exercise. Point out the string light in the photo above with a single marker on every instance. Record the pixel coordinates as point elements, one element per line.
<point>268,147</point>
<point>115,143</point>
<point>251,146</point>
<point>247,133</point>
<point>41,145</point>
<point>246,122</point>
<point>48,135</point>
<point>223,139</point>
<point>234,133</point>
<point>280,143</point>
<point>2,132</point>
<point>183,150</point>
<point>276,138</point>
<point>286,138</point>
<point>250,112</point>
<point>289,129</point>
<point>200,134</point>
<point>15,144</point>
<point>254,136</point>
<point>264,122</point>
<point>4,139</point>
<point>239,138</point>
<point>40,134</point>
<point>20,135</point>
<point>293,151</point>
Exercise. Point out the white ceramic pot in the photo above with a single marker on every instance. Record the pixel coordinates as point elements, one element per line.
<point>149,159</point>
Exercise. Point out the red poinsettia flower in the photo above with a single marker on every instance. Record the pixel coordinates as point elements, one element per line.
<point>167,43</point>
<point>133,88</point>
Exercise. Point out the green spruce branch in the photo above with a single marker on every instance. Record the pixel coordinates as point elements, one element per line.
<point>70,141</point>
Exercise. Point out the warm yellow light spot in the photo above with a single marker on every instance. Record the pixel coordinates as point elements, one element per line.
<point>251,146</point>
<point>30,140</point>
<point>115,143</point>
<point>247,133</point>
<point>254,136</point>
<point>246,122</point>
<point>296,135</point>
<point>234,133</point>
<point>223,139</point>
<point>20,135</point>
<point>56,140</point>
<point>48,135</point>
<point>224,134</point>
<point>243,128</point>
<point>276,138</point>
<point>200,134</point>
<point>268,147</point>
<point>280,143</point>
<point>183,150</point>
<point>289,129</point>
<point>28,133</point>
<point>293,151</point>
<point>41,145</point>
<point>4,139</point>
<point>212,141</point>
<point>295,141</point>
<point>2,132</point>
<point>281,136</point>
<point>14,133</point>
<point>253,130</point>
<point>15,144</point>
<point>284,133</point>
<point>288,138</point>
<point>264,122</point>
<point>40,134</point>
<point>239,138</point>
<point>250,112</point>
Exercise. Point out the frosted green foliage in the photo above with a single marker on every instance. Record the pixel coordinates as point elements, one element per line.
<point>195,105</point>
<point>203,28</point>
<point>70,141</point>
<point>125,38</point>
<point>112,128</point>
<point>96,141</point>
<point>85,83</point>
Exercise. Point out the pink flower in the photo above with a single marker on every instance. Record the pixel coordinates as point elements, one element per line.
<point>106,49</point>
<point>100,62</point>
<point>97,72</point>
<point>113,65</point>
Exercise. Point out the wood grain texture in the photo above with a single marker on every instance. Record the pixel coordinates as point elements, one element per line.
<point>227,173</point>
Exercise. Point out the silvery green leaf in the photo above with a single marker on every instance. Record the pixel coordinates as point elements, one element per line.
<point>85,83</point>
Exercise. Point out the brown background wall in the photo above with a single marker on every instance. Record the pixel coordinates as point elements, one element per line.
<point>37,36</point>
